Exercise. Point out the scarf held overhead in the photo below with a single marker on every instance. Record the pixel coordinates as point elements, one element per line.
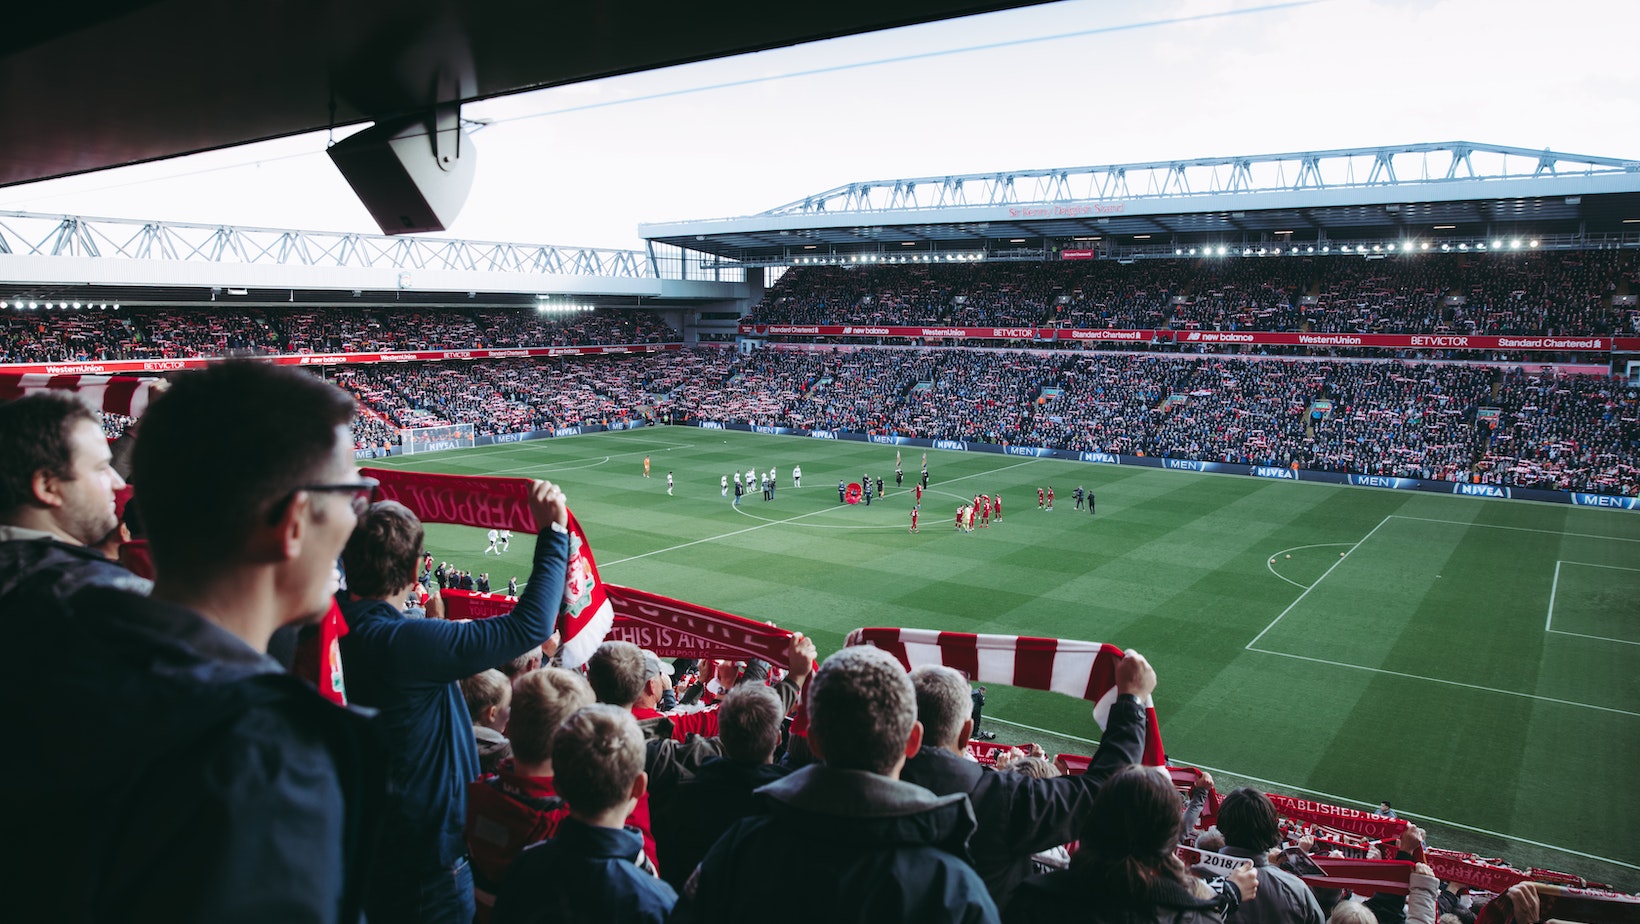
<point>1086,670</point>
<point>111,394</point>
<point>585,616</point>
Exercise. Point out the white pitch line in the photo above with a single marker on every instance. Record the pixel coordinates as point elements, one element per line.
<point>674,548</point>
<point>1553,587</point>
<point>1317,583</point>
<point>1271,564</point>
<point>1598,638</point>
<point>1336,799</point>
<point>1520,529</point>
<point>816,525</point>
<point>1450,683</point>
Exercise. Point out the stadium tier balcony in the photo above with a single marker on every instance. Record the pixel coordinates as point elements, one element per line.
<point>68,335</point>
<point>1561,293</point>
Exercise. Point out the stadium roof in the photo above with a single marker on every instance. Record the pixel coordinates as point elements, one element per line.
<point>1451,192</point>
<point>106,83</point>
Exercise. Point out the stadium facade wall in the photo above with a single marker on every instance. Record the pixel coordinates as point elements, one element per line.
<point>1577,498</point>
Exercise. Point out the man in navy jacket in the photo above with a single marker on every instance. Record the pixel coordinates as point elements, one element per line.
<point>408,669</point>
<point>1019,815</point>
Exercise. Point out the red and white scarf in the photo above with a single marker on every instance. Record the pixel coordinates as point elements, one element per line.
<point>585,616</point>
<point>1085,670</point>
<point>111,394</point>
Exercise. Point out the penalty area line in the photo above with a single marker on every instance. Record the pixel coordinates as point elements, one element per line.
<point>1337,799</point>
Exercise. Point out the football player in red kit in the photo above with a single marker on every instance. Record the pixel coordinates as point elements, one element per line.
<point>1041,499</point>
<point>984,510</point>
<point>1050,498</point>
<point>914,518</point>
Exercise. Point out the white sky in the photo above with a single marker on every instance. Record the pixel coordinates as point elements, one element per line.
<point>1049,86</point>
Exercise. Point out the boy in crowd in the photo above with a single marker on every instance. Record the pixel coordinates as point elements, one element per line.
<point>489,702</point>
<point>591,869</point>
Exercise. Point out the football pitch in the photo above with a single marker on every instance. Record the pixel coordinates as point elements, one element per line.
<point>1475,662</point>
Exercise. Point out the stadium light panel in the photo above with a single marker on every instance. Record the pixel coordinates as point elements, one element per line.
<point>33,305</point>
<point>1515,244</point>
<point>1465,247</point>
<point>1497,245</point>
<point>1221,250</point>
<point>1534,242</point>
<point>1311,249</point>
<point>1326,248</point>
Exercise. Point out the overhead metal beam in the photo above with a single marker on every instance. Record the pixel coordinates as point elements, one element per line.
<point>1407,166</point>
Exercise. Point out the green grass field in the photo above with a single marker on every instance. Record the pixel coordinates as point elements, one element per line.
<point>1475,662</point>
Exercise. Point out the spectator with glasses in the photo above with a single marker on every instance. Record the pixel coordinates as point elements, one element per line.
<point>240,794</point>
<point>409,670</point>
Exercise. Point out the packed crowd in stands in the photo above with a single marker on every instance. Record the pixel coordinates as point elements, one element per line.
<point>1547,293</point>
<point>1464,423</point>
<point>181,333</point>
<point>491,778</point>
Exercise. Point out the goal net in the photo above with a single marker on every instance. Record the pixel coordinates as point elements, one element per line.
<point>436,439</point>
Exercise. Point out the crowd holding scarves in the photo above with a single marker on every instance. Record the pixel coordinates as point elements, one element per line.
<point>593,610</point>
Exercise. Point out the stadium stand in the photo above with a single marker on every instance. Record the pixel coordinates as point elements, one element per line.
<point>1548,293</point>
<point>171,333</point>
<point>1422,420</point>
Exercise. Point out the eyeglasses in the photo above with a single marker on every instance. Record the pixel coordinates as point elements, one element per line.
<point>362,490</point>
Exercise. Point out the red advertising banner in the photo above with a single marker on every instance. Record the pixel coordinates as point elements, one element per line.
<point>464,604</point>
<point>1206,337</point>
<point>111,366</point>
<point>1626,344</point>
<point>1393,341</point>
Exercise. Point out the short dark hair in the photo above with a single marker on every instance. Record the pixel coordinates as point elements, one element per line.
<point>596,755</point>
<point>617,673</point>
<point>382,553</point>
<point>1248,820</point>
<point>224,447</point>
<point>749,722</point>
<point>35,437</point>
<point>861,709</point>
